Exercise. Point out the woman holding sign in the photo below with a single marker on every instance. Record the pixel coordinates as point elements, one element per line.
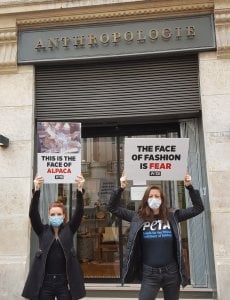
<point>55,271</point>
<point>154,250</point>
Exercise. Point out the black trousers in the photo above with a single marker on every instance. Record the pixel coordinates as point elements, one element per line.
<point>166,278</point>
<point>55,285</point>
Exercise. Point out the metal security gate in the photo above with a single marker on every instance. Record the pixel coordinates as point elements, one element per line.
<point>132,91</point>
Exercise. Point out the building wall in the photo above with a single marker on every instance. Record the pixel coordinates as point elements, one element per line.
<point>17,123</point>
<point>215,99</point>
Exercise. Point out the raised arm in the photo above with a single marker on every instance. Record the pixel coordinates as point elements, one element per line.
<point>76,218</point>
<point>197,208</point>
<point>114,203</point>
<point>34,212</point>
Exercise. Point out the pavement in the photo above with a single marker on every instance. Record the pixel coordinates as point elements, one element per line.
<point>102,291</point>
<point>92,298</point>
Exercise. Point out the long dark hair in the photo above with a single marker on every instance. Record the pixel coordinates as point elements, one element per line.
<point>62,206</point>
<point>146,213</point>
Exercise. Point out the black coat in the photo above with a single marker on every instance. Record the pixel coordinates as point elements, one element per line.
<point>46,237</point>
<point>132,267</point>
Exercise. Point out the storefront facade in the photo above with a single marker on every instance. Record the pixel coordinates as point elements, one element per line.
<point>121,69</point>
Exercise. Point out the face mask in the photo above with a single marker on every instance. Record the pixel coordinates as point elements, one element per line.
<point>154,203</point>
<point>56,221</point>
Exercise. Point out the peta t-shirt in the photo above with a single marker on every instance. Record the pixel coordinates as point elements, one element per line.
<point>158,245</point>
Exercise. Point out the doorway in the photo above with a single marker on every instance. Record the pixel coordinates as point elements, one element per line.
<point>101,238</point>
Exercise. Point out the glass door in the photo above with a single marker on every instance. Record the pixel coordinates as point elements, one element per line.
<point>101,239</point>
<point>98,235</point>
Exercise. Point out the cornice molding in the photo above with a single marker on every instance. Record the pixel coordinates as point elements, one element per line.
<point>8,35</point>
<point>61,3</point>
<point>23,2</point>
<point>222,24</point>
<point>137,10</point>
<point>18,6</point>
<point>8,50</point>
<point>56,13</point>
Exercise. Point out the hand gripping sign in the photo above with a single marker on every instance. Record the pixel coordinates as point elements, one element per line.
<point>155,159</point>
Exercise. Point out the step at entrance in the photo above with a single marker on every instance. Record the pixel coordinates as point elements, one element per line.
<point>130,292</point>
<point>92,298</point>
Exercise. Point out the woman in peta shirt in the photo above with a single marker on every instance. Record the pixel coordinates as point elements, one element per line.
<point>154,251</point>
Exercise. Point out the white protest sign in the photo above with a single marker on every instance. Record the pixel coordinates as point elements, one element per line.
<point>59,151</point>
<point>155,159</point>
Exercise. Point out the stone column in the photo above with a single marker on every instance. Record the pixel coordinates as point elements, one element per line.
<point>215,100</point>
<point>16,122</point>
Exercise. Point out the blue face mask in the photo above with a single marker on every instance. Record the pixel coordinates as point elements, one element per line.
<point>55,221</point>
<point>154,203</point>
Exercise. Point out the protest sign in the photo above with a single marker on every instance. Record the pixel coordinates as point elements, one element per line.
<point>106,188</point>
<point>155,159</point>
<point>59,151</point>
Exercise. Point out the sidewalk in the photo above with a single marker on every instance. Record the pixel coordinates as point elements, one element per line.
<point>130,292</point>
<point>89,298</point>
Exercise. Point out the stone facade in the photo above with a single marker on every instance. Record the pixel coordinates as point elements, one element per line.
<point>17,120</point>
<point>215,99</point>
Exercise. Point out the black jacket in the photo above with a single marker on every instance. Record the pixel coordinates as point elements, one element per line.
<point>133,260</point>
<point>46,237</point>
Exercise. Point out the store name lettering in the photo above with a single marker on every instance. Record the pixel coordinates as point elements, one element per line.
<point>92,40</point>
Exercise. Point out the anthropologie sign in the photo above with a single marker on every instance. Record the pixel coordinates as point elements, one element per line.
<point>155,159</point>
<point>59,151</point>
<point>117,39</point>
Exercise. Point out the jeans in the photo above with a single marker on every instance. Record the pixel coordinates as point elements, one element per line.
<point>167,278</point>
<point>55,285</point>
